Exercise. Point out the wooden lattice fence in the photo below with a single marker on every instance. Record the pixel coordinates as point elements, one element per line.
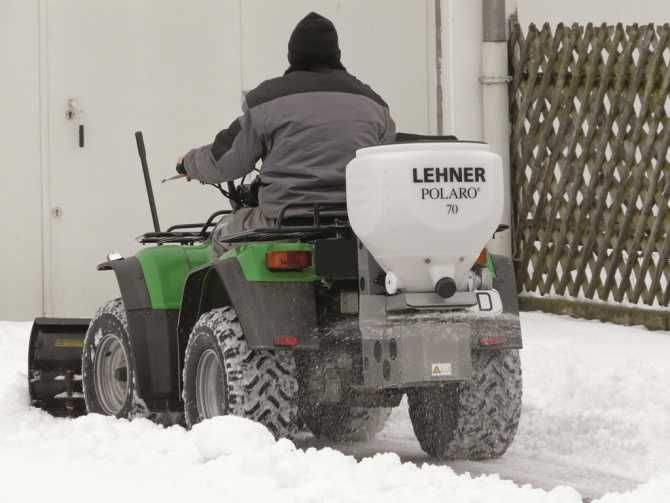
<point>590,109</point>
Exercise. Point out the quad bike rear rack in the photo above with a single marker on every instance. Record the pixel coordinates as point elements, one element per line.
<point>178,233</point>
<point>54,365</point>
<point>306,222</point>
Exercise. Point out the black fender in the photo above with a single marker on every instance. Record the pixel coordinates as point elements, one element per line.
<point>153,337</point>
<point>505,283</point>
<point>266,310</point>
<point>203,291</point>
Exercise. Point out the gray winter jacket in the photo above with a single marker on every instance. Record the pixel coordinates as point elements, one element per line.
<point>305,126</point>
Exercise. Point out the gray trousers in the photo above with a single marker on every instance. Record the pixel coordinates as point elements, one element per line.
<point>243,219</point>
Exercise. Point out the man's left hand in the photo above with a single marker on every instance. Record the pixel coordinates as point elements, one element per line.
<point>180,166</point>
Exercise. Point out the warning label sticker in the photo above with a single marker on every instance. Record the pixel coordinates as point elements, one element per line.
<point>69,343</point>
<point>440,369</point>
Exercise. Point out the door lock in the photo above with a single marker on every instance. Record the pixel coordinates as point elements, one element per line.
<point>75,112</point>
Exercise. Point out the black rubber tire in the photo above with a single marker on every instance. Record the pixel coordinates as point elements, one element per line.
<point>260,385</point>
<point>110,318</point>
<point>474,420</point>
<point>344,423</point>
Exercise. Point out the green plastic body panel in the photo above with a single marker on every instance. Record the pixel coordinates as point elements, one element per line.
<point>166,267</point>
<point>252,261</point>
<point>165,270</point>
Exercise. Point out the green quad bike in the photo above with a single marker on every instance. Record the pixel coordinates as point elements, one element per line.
<point>324,321</point>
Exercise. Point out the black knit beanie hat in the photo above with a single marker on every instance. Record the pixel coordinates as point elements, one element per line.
<point>313,44</point>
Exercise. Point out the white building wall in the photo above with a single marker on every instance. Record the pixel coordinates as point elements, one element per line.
<point>395,55</point>
<point>177,73</point>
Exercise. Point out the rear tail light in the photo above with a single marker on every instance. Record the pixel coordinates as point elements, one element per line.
<point>292,260</point>
<point>483,258</point>
<point>492,340</point>
<point>285,340</point>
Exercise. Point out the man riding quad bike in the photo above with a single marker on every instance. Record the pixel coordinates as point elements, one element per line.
<point>305,126</point>
<point>298,309</point>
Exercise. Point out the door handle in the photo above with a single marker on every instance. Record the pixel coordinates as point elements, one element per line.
<point>75,112</point>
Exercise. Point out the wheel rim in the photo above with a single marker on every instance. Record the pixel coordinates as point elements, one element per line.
<point>209,385</point>
<point>111,374</point>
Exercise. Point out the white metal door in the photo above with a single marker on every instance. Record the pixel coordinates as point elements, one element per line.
<point>388,44</point>
<point>20,187</point>
<point>167,67</point>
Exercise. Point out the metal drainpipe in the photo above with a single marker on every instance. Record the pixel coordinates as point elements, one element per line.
<point>495,104</point>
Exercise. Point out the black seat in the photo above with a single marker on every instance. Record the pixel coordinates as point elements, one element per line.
<point>306,221</point>
<point>411,137</point>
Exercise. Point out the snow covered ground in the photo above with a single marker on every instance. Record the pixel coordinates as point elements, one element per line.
<point>596,416</point>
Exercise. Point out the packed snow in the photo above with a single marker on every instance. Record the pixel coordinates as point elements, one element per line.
<point>595,399</point>
<point>597,394</point>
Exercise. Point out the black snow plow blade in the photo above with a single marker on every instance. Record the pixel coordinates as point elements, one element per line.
<point>54,365</point>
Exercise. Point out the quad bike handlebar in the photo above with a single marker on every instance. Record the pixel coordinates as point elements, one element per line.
<point>242,195</point>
